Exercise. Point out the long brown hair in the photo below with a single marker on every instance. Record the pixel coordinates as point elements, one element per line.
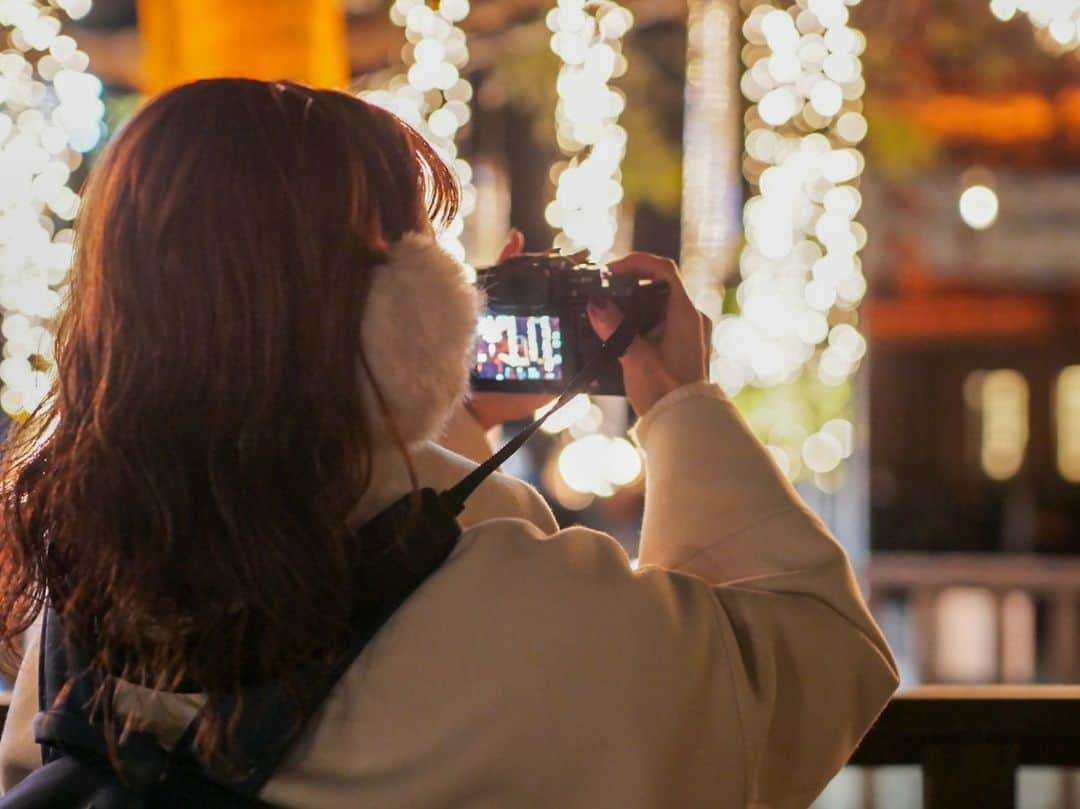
<point>180,497</point>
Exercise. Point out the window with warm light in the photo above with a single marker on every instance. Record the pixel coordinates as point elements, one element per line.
<point>1067,418</point>
<point>1001,398</point>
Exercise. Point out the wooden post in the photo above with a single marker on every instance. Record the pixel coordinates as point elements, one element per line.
<point>982,775</point>
<point>1064,634</point>
<point>923,603</point>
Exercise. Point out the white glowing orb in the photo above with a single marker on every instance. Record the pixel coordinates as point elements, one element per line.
<point>822,452</point>
<point>978,207</point>
<point>827,97</point>
<point>581,465</point>
<point>622,462</point>
<point>574,410</point>
<point>1058,21</point>
<point>599,465</point>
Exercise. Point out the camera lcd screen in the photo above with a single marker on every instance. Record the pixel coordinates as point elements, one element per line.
<point>517,348</point>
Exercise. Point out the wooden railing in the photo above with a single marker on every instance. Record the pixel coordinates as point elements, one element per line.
<point>969,740</point>
<point>1053,582</point>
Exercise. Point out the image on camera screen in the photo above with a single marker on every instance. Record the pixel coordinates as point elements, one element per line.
<point>518,348</point>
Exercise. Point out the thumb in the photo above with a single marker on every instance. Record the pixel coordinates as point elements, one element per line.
<point>515,243</point>
<point>604,316</point>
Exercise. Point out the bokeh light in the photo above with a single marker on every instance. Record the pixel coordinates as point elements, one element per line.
<point>50,114</point>
<point>587,37</point>
<point>432,95</point>
<point>801,275</point>
<point>978,207</point>
<point>599,465</point>
<point>1057,21</point>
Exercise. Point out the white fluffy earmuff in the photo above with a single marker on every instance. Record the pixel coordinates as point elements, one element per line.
<point>418,334</point>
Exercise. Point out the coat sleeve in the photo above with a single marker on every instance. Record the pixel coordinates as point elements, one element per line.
<point>808,666</point>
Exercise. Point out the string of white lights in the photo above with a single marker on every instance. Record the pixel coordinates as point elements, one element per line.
<point>50,115</point>
<point>1057,20</point>
<point>801,277</point>
<point>587,37</point>
<point>432,95</point>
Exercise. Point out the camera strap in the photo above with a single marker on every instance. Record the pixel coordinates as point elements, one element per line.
<point>453,499</point>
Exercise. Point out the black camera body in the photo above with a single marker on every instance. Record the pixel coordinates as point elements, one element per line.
<point>535,334</point>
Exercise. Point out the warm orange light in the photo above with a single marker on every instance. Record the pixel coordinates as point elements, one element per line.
<point>183,40</point>
<point>1003,119</point>
<point>1068,112</point>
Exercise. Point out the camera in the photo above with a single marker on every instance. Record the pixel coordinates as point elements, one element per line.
<point>535,335</point>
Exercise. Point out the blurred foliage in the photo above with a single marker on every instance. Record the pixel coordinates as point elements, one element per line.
<point>119,106</point>
<point>921,47</point>
<point>896,144</point>
<point>515,74</point>
<point>784,415</point>
<point>652,168</point>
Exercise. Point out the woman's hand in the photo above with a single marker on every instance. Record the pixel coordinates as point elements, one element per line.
<point>673,354</point>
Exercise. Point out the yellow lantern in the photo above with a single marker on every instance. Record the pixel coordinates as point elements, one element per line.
<point>183,40</point>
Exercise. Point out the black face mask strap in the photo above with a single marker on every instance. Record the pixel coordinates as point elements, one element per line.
<point>453,499</point>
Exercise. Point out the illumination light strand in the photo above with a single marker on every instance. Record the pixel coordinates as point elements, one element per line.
<point>1058,21</point>
<point>50,114</point>
<point>712,140</point>
<point>432,95</point>
<point>801,277</point>
<point>587,37</point>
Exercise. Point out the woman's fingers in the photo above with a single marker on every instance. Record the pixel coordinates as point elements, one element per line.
<point>604,316</point>
<point>673,354</point>
<point>646,264</point>
<point>656,268</point>
<point>515,244</point>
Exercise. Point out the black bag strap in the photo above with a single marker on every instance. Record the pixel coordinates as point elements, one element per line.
<point>271,719</point>
<point>77,770</point>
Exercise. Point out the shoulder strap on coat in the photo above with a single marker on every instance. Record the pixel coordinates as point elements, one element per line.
<point>386,572</point>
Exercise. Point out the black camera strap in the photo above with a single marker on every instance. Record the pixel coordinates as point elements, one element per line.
<point>453,499</point>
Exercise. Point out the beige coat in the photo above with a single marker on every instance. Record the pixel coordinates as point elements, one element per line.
<point>737,667</point>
